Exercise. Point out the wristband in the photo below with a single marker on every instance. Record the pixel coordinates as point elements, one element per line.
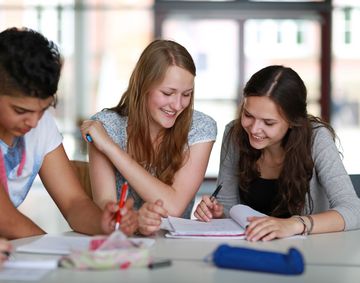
<point>300,219</point>
<point>311,224</point>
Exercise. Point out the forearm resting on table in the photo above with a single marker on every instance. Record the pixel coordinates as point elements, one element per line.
<point>147,186</point>
<point>329,221</point>
<point>85,217</point>
<point>325,222</point>
<point>16,225</point>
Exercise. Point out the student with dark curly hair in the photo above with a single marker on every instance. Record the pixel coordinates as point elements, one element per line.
<point>283,162</point>
<point>30,143</point>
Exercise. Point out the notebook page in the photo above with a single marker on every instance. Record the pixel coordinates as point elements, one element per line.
<point>165,224</point>
<point>12,274</point>
<point>198,228</point>
<point>207,237</point>
<point>61,245</point>
<point>240,212</point>
<point>31,264</point>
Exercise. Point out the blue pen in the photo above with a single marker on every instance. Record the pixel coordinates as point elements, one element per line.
<point>89,138</point>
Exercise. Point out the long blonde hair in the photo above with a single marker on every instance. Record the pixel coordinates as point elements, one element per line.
<point>168,156</point>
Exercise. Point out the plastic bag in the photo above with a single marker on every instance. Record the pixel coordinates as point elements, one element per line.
<point>108,252</point>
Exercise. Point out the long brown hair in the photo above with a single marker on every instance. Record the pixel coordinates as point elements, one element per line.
<point>287,90</point>
<point>168,156</point>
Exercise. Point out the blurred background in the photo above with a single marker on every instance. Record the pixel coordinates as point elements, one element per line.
<point>101,40</point>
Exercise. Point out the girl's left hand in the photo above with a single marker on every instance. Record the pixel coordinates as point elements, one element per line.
<point>269,228</point>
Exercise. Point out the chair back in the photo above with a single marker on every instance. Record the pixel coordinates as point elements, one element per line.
<point>81,169</point>
<point>355,179</point>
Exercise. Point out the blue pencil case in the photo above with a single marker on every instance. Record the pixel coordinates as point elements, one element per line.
<point>291,263</point>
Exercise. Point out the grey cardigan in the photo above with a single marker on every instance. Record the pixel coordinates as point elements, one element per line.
<point>330,186</point>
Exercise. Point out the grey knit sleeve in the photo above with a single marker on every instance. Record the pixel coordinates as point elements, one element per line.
<point>331,180</point>
<point>228,172</point>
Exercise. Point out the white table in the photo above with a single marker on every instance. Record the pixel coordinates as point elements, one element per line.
<point>333,257</point>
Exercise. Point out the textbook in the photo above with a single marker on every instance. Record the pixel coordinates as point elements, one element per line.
<point>233,227</point>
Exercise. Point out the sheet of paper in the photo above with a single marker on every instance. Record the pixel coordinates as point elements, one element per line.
<point>31,264</point>
<point>207,237</point>
<point>165,224</point>
<point>61,245</point>
<point>240,213</point>
<point>215,227</point>
<point>23,274</point>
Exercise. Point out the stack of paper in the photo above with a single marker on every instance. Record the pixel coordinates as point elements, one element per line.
<point>233,228</point>
<point>216,228</point>
<point>27,270</point>
<point>60,245</point>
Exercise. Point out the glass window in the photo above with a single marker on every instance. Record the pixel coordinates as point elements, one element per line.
<point>100,43</point>
<point>292,43</point>
<point>214,46</point>
<point>345,79</point>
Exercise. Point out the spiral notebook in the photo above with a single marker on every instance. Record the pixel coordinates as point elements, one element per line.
<point>233,227</point>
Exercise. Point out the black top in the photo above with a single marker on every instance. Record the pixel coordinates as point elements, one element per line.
<point>262,196</point>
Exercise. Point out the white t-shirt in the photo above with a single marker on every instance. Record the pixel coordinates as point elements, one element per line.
<point>37,143</point>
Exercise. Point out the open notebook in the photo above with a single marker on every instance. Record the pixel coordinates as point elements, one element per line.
<point>233,227</point>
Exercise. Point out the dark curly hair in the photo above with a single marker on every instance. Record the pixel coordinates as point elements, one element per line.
<point>30,64</point>
<point>287,90</point>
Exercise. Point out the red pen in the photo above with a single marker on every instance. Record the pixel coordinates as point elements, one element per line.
<point>121,204</point>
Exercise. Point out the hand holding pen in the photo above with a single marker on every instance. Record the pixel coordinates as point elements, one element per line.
<point>209,208</point>
<point>128,220</point>
<point>95,134</point>
<point>124,189</point>
<point>215,193</point>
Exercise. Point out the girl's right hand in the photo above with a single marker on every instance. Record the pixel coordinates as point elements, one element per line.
<point>98,134</point>
<point>208,209</point>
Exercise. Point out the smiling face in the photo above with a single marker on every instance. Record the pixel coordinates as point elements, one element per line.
<point>19,114</point>
<point>170,98</point>
<point>263,122</point>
